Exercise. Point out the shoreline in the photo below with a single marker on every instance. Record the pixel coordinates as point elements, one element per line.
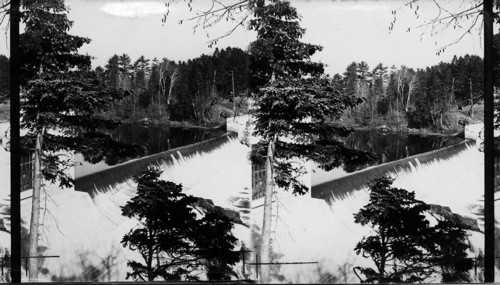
<point>422,132</point>
<point>177,124</point>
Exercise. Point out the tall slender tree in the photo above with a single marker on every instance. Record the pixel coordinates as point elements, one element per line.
<point>113,72</point>
<point>61,99</point>
<point>140,68</point>
<point>289,106</point>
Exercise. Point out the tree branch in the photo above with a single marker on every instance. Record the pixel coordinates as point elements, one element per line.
<point>217,11</point>
<point>444,20</point>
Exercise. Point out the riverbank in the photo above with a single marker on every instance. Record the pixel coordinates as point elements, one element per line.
<point>421,132</point>
<point>452,124</point>
<point>176,124</point>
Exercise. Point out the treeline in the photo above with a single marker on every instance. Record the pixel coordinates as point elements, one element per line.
<point>198,89</point>
<point>402,97</point>
<point>179,91</point>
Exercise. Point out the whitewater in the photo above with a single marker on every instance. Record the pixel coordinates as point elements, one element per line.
<point>85,230</point>
<point>323,232</point>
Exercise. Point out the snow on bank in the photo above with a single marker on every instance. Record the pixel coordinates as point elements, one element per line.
<point>311,230</point>
<point>86,232</point>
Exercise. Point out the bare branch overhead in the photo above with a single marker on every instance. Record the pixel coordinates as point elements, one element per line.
<point>236,11</point>
<point>464,17</point>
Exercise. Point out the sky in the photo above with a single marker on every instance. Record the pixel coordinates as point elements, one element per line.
<point>348,30</point>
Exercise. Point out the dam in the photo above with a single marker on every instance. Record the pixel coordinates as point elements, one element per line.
<point>323,232</point>
<point>84,226</point>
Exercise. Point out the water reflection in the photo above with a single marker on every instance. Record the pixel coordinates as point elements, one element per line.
<point>388,147</point>
<point>159,138</point>
<point>155,138</point>
<point>395,146</point>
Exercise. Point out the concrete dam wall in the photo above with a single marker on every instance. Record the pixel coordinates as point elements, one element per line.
<point>339,187</point>
<point>100,181</point>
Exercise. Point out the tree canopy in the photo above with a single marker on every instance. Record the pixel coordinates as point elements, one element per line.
<point>302,110</point>
<point>62,100</point>
<point>405,246</point>
<point>176,236</point>
<point>295,110</point>
<point>278,51</point>
<point>179,91</point>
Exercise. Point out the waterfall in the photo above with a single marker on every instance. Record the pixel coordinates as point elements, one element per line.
<point>323,230</point>
<point>85,228</point>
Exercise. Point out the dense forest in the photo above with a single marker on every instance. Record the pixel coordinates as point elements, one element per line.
<point>407,98</point>
<point>200,90</point>
<point>190,91</point>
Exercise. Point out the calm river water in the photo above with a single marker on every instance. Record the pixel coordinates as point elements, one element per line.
<point>155,138</point>
<point>388,147</point>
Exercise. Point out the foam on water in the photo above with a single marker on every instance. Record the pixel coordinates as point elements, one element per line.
<point>312,230</point>
<point>85,231</point>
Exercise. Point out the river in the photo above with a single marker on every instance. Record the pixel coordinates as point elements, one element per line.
<point>159,138</point>
<point>388,147</point>
<point>156,139</point>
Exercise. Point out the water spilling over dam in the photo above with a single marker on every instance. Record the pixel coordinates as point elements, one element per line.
<point>84,228</point>
<point>323,230</point>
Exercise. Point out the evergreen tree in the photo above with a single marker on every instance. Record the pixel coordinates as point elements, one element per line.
<point>405,247</point>
<point>292,107</point>
<point>61,99</point>
<point>350,82</point>
<point>153,88</point>
<point>176,234</point>
<point>113,72</point>
<point>125,72</point>
<point>278,51</point>
<point>379,75</point>
<point>140,68</point>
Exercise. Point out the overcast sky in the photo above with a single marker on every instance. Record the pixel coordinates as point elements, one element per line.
<point>349,31</point>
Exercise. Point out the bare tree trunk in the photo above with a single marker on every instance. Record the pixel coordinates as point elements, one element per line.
<point>471,99</point>
<point>35,210</point>
<point>173,80</point>
<point>400,78</point>
<point>407,101</point>
<point>266,225</point>
<point>412,84</point>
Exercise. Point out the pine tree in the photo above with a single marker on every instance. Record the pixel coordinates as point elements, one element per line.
<point>113,72</point>
<point>60,102</point>
<point>177,233</point>
<point>292,107</point>
<point>140,68</point>
<point>405,247</point>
